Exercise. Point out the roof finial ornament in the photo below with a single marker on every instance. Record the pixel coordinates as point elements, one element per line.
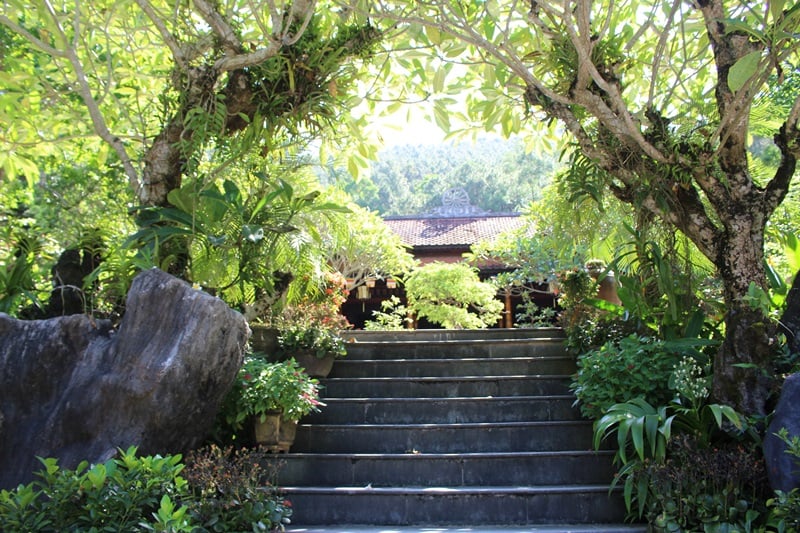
<point>455,202</point>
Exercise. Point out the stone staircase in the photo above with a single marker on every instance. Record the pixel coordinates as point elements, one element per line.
<point>438,427</point>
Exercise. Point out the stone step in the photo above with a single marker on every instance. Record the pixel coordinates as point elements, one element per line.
<point>529,528</point>
<point>449,428</point>
<point>449,349</point>
<point>450,470</point>
<point>444,438</point>
<point>445,410</point>
<point>445,387</point>
<point>467,506</point>
<point>468,366</point>
<point>452,334</point>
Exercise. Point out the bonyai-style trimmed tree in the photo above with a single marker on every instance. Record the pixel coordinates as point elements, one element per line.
<point>659,97</point>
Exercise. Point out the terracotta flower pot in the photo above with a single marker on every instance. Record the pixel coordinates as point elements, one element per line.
<point>287,434</point>
<point>316,367</point>
<point>267,428</point>
<point>274,433</point>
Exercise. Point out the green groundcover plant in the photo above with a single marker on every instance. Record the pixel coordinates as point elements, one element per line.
<point>635,366</point>
<point>222,491</point>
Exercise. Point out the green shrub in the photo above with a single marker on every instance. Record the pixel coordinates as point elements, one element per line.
<point>223,491</point>
<point>126,493</point>
<point>785,506</point>
<point>393,316</point>
<point>595,328</point>
<point>683,463</point>
<point>635,367</point>
<point>233,490</point>
<point>700,488</point>
<point>262,387</point>
<point>531,315</point>
<point>452,295</point>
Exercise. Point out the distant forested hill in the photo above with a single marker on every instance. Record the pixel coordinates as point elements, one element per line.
<point>497,174</point>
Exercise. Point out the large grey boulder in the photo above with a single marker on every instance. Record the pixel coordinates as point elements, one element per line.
<point>782,468</point>
<point>76,389</point>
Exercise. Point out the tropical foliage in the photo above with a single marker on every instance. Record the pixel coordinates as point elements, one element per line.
<point>361,246</point>
<point>678,122</point>
<point>629,368</point>
<point>661,121</point>
<point>215,490</point>
<point>452,295</point>
<point>262,387</point>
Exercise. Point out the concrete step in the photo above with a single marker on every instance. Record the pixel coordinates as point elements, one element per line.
<point>445,387</point>
<point>534,528</point>
<point>444,438</point>
<point>446,470</point>
<point>445,410</point>
<point>452,334</point>
<point>447,428</point>
<point>468,506</point>
<point>448,349</point>
<point>467,366</point>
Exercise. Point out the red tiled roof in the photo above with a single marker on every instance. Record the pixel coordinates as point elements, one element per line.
<point>451,231</point>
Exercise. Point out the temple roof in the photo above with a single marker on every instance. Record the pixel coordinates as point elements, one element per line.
<point>453,231</point>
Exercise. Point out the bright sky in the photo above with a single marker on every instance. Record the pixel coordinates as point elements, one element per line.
<point>406,126</point>
<point>416,132</point>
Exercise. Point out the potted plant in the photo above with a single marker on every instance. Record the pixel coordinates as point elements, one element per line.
<point>310,332</point>
<point>273,397</point>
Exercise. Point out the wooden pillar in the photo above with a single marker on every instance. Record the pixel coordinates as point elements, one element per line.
<point>509,315</point>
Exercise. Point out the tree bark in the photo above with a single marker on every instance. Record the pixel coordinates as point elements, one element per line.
<point>744,368</point>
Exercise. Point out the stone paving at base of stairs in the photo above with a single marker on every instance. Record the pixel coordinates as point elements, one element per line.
<point>563,528</point>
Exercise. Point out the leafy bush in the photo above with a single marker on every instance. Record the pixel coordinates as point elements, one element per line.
<point>312,326</point>
<point>223,491</point>
<point>451,294</point>
<point>393,316</point>
<point>17,267</point>
<point>701,488</point>
<point>532,315</point>
<point>596,328</point>
<point>233,492</point>
<point>633,367</point>
<point>785,506</point>
<point>649,443</point>
<point>262,386</point>
<point>127,493</point>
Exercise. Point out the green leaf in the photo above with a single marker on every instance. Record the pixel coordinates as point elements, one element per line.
<point>637,436</point>
<point>352,166</point>
<point>438,80</point>
<point>434,35</point>
<point>183,199</point>
<point>97,476</point>
<point>776,8</point>
<point>743,70</point>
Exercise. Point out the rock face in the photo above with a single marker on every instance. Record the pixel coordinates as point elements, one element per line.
<point>77,389</point>
<point>782,468</point>
<point>790,321</point>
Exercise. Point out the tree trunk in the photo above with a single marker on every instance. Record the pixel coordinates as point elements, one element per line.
<point>743,367</point>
